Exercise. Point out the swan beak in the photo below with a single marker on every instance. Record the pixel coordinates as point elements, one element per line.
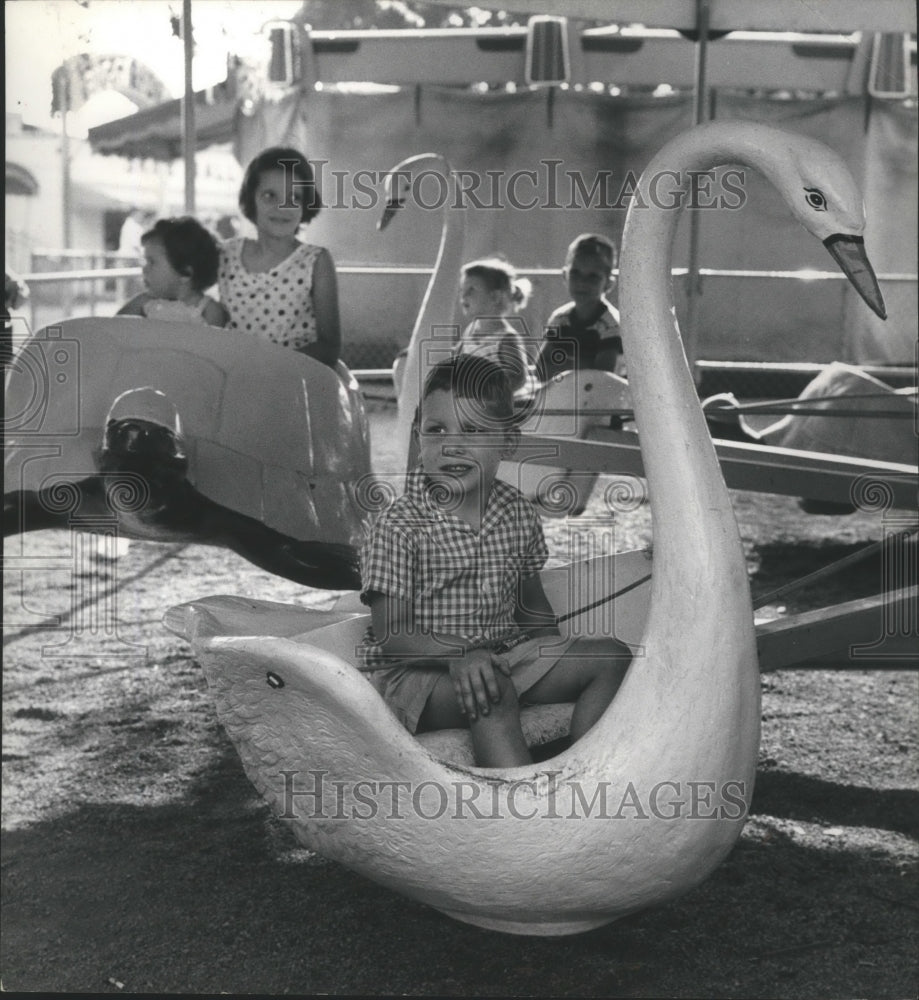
<point>849,254</point>
<point>392,206</point>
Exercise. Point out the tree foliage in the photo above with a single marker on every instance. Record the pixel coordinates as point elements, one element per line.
<point>351,15</point>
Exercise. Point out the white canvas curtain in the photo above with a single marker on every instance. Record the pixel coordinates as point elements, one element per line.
<point>601,139</point>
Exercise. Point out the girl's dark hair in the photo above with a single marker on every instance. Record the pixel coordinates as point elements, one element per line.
<point>477,379</point>
<point>499,275</point>
<point>190,249</point>
<point>287,159</point>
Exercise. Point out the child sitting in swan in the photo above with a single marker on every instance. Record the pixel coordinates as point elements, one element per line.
<point>491,294</point>
<point>584,333</point>
<point>461,632</point>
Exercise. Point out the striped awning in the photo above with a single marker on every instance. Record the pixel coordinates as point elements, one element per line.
<point>156,133</point>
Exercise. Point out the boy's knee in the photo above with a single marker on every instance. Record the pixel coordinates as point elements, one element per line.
<point>508,705</point>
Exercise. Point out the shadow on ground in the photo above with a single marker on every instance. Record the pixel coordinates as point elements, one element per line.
<point>210,894</point>
<point>868,569</point>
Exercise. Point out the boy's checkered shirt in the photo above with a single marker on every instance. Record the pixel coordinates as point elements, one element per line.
<point>460,581</point>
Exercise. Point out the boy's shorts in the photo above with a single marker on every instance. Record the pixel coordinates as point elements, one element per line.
<point>406,689</point>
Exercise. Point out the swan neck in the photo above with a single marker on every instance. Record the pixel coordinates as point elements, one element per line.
<point>690,503</point>
<point>436,313</point>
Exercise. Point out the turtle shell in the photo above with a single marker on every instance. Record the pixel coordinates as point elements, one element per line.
<point>269,432</point>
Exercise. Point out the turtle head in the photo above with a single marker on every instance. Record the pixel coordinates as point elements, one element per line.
<point>143,433</point>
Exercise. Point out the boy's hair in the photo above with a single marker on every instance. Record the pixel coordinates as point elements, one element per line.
<point>596,246</point>
<point>499,275</point>
<point>287,159</point>
<point>189,247</point>
<point>478,379</point>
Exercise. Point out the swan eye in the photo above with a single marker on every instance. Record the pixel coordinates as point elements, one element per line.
<point>816,199</point>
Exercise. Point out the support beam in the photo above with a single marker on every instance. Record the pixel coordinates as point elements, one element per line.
<point>753,467</point>
<point>700,110</point>
<point>855,635</point>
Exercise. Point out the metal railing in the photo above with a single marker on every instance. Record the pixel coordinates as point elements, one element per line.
<point>81,279</point>
<point>93,291</point>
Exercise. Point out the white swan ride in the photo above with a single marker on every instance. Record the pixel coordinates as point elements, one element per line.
<point>534,850</point>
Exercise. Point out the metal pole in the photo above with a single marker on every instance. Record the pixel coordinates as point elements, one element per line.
<point>188,111</point>
<point>66,190</point>
<point>700,97</point>
<point>700,114</point>
<point>66,301</point>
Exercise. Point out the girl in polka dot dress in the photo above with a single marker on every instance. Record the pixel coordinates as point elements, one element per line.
<point>274,286</point>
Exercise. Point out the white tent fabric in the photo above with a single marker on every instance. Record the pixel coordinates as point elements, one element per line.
<point>891,187</point>
<point>591,143</point>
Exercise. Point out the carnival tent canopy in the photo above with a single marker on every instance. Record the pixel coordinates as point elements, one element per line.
<point>728,15</point>
<point>834,47</point>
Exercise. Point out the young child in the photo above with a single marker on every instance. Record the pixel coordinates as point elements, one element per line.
<point>490,294</point>
<point>15,296</point>
<point>584,333</point>
<point>274,286</point>
<point>451,574</point>
<point>180,262</point>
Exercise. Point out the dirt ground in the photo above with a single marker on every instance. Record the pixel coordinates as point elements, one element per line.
<point>138,858</point>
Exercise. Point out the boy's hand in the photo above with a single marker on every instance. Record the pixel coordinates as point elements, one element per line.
<point>475,682</point>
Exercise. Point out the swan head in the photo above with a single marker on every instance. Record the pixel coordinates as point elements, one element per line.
<point>849,254</point>
<point>393,201</point>
<point>397,184</point>
<point>824,197</point>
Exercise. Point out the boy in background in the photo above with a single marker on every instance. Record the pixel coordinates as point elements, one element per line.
<point>584,333</point>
